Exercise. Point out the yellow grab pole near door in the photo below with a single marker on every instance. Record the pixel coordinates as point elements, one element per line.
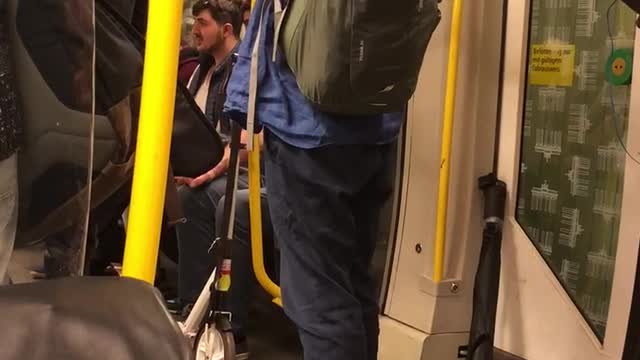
<point>154,139</point>
<point>255,217</point>
<point>447,134</point>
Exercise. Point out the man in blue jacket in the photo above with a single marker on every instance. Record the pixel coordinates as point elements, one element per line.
<point>327,178</point>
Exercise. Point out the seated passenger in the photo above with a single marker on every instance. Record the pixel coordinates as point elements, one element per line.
<point>246,13</point>
<point>216,34</point>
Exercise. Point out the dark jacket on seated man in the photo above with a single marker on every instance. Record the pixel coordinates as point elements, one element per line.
<point>217,86</point>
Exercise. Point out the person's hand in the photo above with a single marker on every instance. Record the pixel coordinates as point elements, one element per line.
<point>205,178</point>
<point>214,173</point>
<point>181,180</point>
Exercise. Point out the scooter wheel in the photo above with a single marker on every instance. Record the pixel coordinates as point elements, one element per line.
<point>211,344</point>
<point>229,346</point>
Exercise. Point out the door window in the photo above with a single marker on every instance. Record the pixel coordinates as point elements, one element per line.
<point>573,136</point>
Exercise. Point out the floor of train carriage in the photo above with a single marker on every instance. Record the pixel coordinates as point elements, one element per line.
<point>271,335</point>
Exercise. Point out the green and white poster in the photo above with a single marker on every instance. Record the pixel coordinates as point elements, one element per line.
<point>573,159</point>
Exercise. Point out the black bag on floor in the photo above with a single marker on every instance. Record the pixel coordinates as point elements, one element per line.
<point>88,319</point>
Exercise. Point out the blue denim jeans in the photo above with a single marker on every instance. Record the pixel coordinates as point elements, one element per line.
<point>8,210</point>
<point>242,275</point>
<point>325,207</point>
<point>196,235</point>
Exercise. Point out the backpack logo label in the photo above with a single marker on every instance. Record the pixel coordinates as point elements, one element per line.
<point>388,88</point>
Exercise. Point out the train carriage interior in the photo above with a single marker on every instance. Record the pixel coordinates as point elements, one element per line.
<point>511,231</point>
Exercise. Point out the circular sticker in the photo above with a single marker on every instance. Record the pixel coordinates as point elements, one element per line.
<point>619,67</point>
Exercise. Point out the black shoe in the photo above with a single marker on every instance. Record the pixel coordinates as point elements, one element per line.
<point>53,267</point>
<point>178,311</point>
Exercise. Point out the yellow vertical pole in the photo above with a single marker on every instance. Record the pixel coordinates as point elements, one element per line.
<point>154,139</point>
<point>255,216</point>
<point>447,135</point>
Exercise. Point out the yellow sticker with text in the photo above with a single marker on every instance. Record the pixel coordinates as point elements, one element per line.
<point>552,65</point>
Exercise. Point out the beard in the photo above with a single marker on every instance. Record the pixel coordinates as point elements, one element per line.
<point>212,46</point>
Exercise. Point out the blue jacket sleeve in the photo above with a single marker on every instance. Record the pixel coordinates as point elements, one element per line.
<point>236,103</point>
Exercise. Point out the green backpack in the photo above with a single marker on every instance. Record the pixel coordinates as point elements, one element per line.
<point>356,56</point>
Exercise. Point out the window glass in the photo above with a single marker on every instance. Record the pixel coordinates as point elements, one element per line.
<point>573,136</point>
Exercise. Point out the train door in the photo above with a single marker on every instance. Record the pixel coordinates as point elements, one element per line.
<point>424,318</point>
<point>570,154</point>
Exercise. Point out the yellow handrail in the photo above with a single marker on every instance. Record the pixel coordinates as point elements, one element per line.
<point>255,215</point>
<point>447,134</point>
<point>154,139</point>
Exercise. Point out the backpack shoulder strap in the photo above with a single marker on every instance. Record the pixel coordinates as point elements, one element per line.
<point>253,79</point>
<point>279,16</point>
